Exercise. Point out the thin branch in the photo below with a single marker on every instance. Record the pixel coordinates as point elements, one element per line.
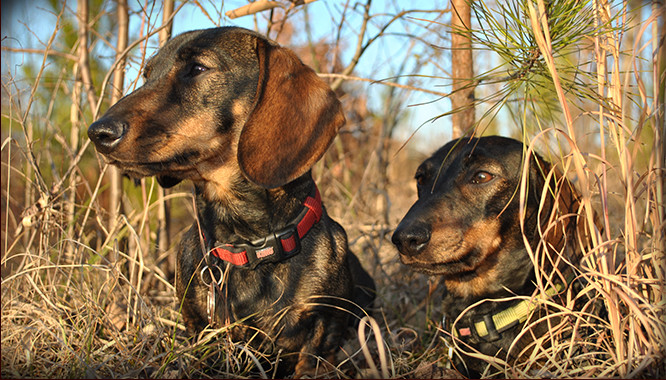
<point>263,5</point>
<point>342,77</point>
<point>31,99</point>
<point>56,53</point>
<point>359,47</point>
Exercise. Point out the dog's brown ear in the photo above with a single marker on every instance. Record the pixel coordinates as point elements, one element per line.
<point>562,219</point>
<point>295,118</point>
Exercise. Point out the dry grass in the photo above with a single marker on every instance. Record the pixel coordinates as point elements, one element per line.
<point>83,299</point>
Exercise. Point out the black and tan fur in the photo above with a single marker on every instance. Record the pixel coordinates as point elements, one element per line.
<point>244,119</point>
<point>466,228</point>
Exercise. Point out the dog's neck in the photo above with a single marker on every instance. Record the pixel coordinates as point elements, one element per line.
<point>249,211</point>
<point>496,312</point>
<point>457,296</point>
<point>453,304</point>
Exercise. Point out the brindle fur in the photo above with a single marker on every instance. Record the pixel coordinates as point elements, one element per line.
<point>465,227</point>
<point>244,119</point>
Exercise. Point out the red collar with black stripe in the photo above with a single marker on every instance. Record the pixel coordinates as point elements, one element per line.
<point>279,245</point>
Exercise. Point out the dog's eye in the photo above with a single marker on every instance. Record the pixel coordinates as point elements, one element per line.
<point>421,176</point>
<point>482,177</point>
<point>420,179</point>
<point>196,69</point>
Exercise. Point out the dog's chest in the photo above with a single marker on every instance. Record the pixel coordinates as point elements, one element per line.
<point>258,291</point>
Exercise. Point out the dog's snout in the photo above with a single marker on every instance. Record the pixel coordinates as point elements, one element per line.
<point>412,238</point>
<point>106,133</point>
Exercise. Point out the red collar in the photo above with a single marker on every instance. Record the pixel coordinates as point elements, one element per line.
<point>279,245</point>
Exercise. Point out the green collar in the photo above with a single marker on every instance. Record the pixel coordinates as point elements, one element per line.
<point>492,325</point>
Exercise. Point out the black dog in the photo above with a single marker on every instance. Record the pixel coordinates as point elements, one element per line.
<point>245,120</point>
<point>465,227</point>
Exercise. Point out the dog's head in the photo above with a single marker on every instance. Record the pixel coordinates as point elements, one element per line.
<point>220,101</point>
<point>466,223</point>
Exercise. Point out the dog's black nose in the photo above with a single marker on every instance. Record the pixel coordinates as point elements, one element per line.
<point>412,238</point>
<point>106,133</point>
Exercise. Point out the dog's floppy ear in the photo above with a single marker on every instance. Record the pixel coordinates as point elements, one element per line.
<point>295,118</point>
<point>561,216</point>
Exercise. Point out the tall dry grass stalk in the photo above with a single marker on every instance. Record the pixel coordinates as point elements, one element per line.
<point>83,296</point>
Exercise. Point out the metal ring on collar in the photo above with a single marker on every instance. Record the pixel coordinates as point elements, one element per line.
<point>207,283</point>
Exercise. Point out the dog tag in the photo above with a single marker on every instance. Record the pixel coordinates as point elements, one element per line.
<point>212,298</point>
<point>213,286</point>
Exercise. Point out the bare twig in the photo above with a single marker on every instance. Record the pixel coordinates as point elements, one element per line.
<point>264,5</point>
<point>55,53</point>
<point>384,82</point>
<point>360,48</point>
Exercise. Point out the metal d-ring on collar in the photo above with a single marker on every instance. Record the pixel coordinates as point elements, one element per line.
<point>212,277</point>
<point>278,246</point>
<point>213,288</point>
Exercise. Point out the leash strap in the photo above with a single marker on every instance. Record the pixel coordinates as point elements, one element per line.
<point>279,245</point>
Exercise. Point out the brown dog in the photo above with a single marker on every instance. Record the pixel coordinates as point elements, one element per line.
<point>245,120</point>
<point>465,226</point>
